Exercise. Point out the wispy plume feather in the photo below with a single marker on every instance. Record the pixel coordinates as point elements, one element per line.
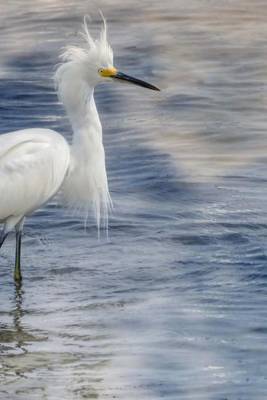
<point>86,34</point>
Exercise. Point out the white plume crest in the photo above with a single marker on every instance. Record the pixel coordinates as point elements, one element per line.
<point>97,50</point>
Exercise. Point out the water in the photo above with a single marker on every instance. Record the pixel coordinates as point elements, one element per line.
<point>173,305</point>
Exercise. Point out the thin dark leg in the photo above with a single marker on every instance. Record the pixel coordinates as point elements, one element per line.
<point>17,272</point>
<point>3,237</point>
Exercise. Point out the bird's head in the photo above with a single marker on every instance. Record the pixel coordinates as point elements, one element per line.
<point>94,61</point>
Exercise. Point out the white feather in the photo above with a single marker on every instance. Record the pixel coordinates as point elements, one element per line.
<point>86,185</point>
<point>33,165</point>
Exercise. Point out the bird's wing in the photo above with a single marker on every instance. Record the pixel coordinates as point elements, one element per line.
<point>33,164</point>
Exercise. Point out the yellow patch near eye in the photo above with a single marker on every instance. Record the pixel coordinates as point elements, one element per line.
<point>107,72</point>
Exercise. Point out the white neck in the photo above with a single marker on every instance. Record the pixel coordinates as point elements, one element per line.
<point>86,184</point>
<point>86,126</point>
<point>81,109</point>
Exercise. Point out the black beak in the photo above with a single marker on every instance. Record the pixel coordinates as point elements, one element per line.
<point>138,82</point>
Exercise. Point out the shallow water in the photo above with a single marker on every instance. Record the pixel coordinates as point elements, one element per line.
<point>173,304</point>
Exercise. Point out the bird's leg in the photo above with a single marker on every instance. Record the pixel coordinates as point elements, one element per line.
<point>17,272</point>
<point>3,237</point>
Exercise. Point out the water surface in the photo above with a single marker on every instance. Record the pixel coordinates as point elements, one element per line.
<point>173,305</point>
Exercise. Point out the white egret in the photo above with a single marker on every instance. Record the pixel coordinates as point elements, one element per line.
<point>36,163</point>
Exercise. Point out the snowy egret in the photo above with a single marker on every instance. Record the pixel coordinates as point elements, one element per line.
<point>36,163</point>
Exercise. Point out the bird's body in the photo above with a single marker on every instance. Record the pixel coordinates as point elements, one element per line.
<point>33,165</point>
<point>36,163</point>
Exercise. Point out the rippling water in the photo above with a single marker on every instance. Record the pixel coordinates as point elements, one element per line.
<point>173,304</point>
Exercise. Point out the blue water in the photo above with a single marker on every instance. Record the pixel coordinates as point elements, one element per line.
<point>172,305</point>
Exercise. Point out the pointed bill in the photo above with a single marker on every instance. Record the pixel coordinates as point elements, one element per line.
<point>113,73</point>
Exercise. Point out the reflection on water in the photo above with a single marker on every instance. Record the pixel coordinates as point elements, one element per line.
<point>172,305</point>
<point>27,363</point>
<point>13,339</point>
